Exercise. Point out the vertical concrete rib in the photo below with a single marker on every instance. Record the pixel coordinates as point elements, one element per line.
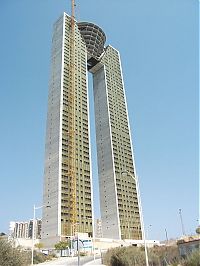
<point>108,200</point>
<point>116,142</point>
<point>51,194</point>
<point>60,139</point>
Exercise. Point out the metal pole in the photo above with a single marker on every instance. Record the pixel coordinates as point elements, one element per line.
<point>93,238</point>
<point>78,250</point>
<point>148,231</point>
<point>166,236</point>
<point>33,236</point>
<point>181,219</point>
<point>71,241</point>
<point>142,220</point>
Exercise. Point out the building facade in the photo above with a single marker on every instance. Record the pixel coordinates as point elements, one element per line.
<point>98,228</point>
<point>188,244</point>
<point>25,229</point>
<point>118,196</point>
<point>67,150</point>
<point>67,139</point>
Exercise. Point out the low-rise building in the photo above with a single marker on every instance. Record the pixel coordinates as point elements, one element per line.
<point>188,244</point>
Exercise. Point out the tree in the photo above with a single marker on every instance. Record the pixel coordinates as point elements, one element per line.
<point>39,245</point>
<point>10,256</point>
<point>61,245</point>
<point>198,230</point>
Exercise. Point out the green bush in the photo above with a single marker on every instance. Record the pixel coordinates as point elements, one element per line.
<point>135,256</point>
<point>62,245</point>
<point>39,257</point>
<point>124,256</point>
<point>193,259</point>
<point>83,254</point>
<point>10,256</point>
<point>164,255</point>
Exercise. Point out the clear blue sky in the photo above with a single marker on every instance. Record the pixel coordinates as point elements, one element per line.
<point>158,42</point>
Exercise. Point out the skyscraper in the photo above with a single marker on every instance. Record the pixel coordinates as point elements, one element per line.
<point>67,139</point>
<point>68,178</point>
<point>118,196</point>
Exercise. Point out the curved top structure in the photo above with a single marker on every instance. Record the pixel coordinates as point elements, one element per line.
<point>94,38</point>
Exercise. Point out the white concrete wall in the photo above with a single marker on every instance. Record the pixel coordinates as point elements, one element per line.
<point>108,201</point>
<point>50,217</point>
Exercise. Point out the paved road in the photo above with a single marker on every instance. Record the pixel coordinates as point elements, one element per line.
<point>66,261</point>
<point>97,262</point>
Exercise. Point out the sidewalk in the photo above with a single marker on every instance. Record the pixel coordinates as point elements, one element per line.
<point>96,262</point>
<point>71,261</point>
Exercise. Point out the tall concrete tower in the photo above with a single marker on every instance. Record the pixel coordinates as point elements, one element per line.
<point>65,108</point>
<point>120,212</point>
<point>68,138</point>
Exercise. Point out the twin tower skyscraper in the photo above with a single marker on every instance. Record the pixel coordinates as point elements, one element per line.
<point>68,191</point>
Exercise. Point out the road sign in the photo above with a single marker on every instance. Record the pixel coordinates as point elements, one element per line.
<point>78,244</point>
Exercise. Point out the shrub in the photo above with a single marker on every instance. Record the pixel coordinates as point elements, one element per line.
<point>62,245</point>
<point>39,257</point>
<point>164,255</point>
<point>10,256</point>
<point>82,254</point>
<point>39,245</point>
<point>124,256</point>
<point>135,256</point>
<point>193,259</point>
